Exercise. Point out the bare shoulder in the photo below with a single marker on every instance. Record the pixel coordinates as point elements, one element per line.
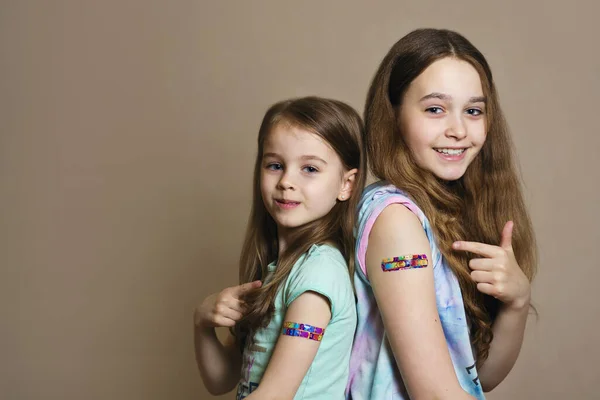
<point>396,223</point>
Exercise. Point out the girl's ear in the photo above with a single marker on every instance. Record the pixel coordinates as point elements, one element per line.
<point>347,185</point>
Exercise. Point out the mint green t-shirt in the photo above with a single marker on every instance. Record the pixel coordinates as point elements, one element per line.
<point>322,270</point>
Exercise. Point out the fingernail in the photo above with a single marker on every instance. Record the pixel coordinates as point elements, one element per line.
<point>456,245</point>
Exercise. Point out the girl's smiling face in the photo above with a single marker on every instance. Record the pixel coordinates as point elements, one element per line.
<point>302,177</point>
<point>442,118</point>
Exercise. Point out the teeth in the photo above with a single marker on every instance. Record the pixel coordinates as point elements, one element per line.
<point>450,152</point>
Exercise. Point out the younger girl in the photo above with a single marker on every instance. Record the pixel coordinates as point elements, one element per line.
<point>445,248</point>
<point>294,313</point>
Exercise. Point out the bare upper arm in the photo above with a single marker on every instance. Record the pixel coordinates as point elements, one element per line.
<point>293,356</point>
<point>406,299</point>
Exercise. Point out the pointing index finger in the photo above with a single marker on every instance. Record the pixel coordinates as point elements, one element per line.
<point>246,287</point>
<point>481,249</point>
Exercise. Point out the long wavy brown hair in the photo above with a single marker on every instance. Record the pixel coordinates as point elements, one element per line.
<point>342,128</point>
<point>475,207</point>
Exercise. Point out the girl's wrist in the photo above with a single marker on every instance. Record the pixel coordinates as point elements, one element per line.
<point>200,323</point>
<point>519,304</point>
<point>205,330</point>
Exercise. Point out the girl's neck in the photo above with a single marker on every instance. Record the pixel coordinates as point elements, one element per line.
<point>282,241</point>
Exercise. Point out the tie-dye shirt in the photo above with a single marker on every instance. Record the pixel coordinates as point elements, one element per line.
<point>373,370</point>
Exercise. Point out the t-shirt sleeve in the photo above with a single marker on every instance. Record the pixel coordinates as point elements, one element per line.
<point>324,274</point>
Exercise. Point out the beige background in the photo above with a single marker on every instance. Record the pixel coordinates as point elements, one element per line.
<point>127,133</point>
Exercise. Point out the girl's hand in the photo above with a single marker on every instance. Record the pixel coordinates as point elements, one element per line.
<point>225,308</point>
<point>498,274</point>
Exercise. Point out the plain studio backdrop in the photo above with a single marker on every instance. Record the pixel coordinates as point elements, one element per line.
<point>127,142</point>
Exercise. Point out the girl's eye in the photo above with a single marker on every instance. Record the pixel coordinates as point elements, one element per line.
<point>274,166</point>
<point>310,169</point>
<point>434,110</point>
<point>474,112</point>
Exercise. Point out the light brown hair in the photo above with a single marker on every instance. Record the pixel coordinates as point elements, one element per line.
<point>342,128</point>
<point>476,206</point>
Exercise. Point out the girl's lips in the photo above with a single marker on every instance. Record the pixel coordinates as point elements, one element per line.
<point>286,204</point>
<point>452,157</point>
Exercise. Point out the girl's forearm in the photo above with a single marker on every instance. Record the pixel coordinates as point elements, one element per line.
<point>509,330</point>
<point>219,363</point>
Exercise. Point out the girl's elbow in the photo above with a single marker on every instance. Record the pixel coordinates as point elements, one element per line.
<point>489,386</point>
<point>215,390</point>
<point>218,389</point>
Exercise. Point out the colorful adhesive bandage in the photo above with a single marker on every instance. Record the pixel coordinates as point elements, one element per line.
<point>303,330</point>
<point>404,262</point>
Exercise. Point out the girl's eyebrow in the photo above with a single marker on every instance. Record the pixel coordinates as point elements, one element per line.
<point>306,157</point>
<point>436,95</point>
<point>316,158</point>
<point>478,99</point>
<point>446,97</point>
